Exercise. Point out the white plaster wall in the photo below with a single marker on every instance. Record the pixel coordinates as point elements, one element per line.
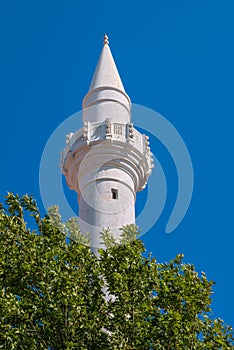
<point>97,208</point>
<point>107,110</point>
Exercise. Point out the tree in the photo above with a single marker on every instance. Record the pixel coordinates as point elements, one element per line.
<point>56,294</point>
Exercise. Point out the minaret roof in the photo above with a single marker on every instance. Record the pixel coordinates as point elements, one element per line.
<point>106,97</point>
<point>106,73</point>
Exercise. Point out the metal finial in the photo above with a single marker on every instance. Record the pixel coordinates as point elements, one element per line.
<point>106,41</point>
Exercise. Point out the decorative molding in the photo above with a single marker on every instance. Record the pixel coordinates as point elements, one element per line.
<point>125,143</point>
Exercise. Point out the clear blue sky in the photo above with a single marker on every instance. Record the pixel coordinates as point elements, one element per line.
<point>175,57</point>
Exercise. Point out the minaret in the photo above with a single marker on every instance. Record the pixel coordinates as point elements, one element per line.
<point>108,160</point>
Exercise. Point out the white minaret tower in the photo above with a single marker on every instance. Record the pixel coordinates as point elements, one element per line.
<point>108,160</point>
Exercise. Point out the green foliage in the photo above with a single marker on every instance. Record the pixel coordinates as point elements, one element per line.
<point>56,294</point>
<point>50,290</point>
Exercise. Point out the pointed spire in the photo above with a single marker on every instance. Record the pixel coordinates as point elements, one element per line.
<point>106,92</point>
<point>106,73</point>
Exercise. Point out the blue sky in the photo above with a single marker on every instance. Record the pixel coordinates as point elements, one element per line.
<point>175,57</point>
